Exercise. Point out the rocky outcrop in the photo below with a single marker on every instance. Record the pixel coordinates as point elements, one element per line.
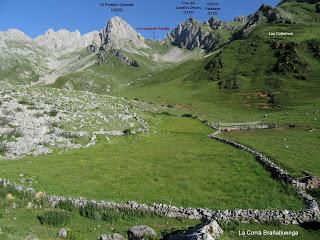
<point>104,56</point>
<point>265,14</point>
<point>193,34</point>
<point>205,231</point>
<point>141,233</point>
<point>242,19</point>
<point>216,24</point>
<point>118,34</point>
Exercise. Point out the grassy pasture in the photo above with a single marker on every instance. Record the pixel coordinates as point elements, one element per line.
<point>176,163</point>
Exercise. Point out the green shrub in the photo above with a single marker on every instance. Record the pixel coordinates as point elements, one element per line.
<point>187,115</point>
<point>67,205</point>
<point>93,212</point>
<point>90,211</point>
<point>53,113</point>
<point>3,148</point>
<point>55,218</point>
<point>75,236</point>
<point>25,102</point>
<point>127,131</point>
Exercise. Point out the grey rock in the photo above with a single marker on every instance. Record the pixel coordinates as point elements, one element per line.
<point>63,233</point>
<point>115,236</point>
<point>141,232</point>
<point>206,231</point>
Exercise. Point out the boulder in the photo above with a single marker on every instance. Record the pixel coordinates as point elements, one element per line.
<point>40,195</point>
<point>141,233</point>
<point>206,231</point>
<point>63,233</point>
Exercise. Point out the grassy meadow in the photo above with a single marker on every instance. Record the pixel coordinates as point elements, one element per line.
<point>176,163</point>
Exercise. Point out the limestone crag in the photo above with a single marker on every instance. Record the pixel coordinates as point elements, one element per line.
<point>193,34</point>
<point>118,34</point>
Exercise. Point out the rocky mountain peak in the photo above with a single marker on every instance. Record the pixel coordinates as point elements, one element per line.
<point>118,34</point>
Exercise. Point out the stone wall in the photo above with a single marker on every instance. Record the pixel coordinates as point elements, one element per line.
<point>244,126</point>
<point>276,171</point>
<point>247,215</point>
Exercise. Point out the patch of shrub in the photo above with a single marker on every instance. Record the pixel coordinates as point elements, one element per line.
<point>229,226</point>
<point>93,212</point>
<point>55,218</point>
<point>90,211</point>
<point>4,121</point>
<point>53,113</point>
<point>25,102</point>
<point>3,148</point>
<point>166,113</point>
<point>187,115</point>
<point>75,236</point>
<point>127,131</point>
<point>67,206</point>
<point>275,222</point>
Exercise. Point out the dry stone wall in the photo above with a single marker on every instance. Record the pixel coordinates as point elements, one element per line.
<point>242,215</point>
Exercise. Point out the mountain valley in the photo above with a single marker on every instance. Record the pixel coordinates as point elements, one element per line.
<point>112,116</point>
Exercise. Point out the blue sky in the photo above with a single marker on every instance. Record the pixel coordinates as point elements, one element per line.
<point>34,17</point>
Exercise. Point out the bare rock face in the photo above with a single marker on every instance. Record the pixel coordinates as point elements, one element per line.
<point>118,34</point>
<point>209,231</point>
<point>64,41</point>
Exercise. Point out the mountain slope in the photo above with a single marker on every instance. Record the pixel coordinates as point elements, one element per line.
<point>253,74</point>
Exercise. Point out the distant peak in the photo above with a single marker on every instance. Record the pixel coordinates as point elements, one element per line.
<point>50,30</point>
